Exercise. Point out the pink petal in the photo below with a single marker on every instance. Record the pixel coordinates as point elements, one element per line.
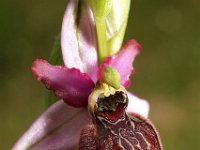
<point>57,128</point>
<point>137,105</point>
<point>70,85</point>
<point>122,62</point>
<point>78,41</point>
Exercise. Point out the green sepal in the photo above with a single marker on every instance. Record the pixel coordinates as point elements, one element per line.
<point>101,8</point>
<point>111,17</point>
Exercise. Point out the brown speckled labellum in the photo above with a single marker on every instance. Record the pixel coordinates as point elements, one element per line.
<point>114,129</point>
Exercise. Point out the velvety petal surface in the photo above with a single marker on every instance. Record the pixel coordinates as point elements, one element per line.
<point>78,38</point>
<point>137,105</point>
<point>70,85</point>
<point>122,62</point>
<point>57,128</point>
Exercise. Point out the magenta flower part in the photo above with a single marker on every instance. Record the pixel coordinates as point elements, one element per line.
<point>70,85</point>
<point>73,87</point>
<point>123,61</point>
<point>60,126</point>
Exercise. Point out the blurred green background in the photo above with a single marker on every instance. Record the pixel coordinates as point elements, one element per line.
<point>167,71</point>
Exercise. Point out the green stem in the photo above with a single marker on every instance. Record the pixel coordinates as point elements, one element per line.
<point>102,41</point>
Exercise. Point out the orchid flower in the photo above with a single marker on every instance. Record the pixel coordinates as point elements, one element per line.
<point>59,127</point>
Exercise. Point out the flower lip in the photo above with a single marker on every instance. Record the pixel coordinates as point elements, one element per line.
<point>107,106</point>
<point>111,108</point>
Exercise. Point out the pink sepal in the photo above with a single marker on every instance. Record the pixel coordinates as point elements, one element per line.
<point>57,128</point>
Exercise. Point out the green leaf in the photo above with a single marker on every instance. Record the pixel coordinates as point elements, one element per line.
<point>55,59</point>
<point>56,55</point>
